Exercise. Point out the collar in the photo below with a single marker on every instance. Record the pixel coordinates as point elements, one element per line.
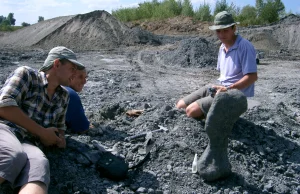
<point>44,79</point>
<point>45,83</point>
<point>235,45</point>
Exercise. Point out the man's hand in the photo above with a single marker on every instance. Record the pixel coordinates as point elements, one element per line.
<point>62,143</point>
<point>48,136</point>
<point>220,89</point>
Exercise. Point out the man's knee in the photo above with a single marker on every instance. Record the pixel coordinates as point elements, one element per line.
<point>190,112</point>
<point>35,156</point>
<point>194,111</point>
<point>33,187</point>
<point>41,163</point>
<point>181,104</point>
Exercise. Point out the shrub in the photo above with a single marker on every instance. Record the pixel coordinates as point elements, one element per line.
<point>167,9</point>
<point>269,10</point>
<point>9,28</point>
<point>125,14</point>
<point>187,8</point>
<point>147,10</point>
<point>265,11</point>
<point>221,6</point>
<point>41,18</point>
<point>203,13</point>
<point>269,13</point>
<point>248,16</point>
<point>24,24</point>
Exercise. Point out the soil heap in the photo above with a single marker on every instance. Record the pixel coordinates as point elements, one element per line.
<point>280,35</point>
<point>92,31</point>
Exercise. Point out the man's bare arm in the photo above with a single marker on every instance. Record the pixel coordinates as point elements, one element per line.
<point>246,81</point>
<point>15,115</point>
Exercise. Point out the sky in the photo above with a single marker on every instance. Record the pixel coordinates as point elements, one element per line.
<point>29,10</point>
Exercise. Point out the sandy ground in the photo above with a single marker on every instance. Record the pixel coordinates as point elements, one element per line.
<point>263,147</point>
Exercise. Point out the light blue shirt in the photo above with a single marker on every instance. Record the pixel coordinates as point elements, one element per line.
<point>237,62</point>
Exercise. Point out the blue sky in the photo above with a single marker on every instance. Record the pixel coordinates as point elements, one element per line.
<point>29,10</point>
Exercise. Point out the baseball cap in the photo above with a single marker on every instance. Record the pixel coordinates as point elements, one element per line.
<point>223,20</point>
<point>61,52</point>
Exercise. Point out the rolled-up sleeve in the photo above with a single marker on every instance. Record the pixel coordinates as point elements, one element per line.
<point>15,88</point>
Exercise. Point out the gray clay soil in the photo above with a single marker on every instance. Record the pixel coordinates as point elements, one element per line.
<point>130,68</point>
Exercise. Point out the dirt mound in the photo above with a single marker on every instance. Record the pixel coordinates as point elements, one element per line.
<point>290,19</point>
<point>261,38</point>
<point>92,31</point>
<point>287,32</point>
<point>31,35</point>
<point>284,34</point>
<point>276,36</point>
<point>194,52</point>
<point>179,25</point>
<point>100,30</point>
<point>190,52</point>
<point>95,30</point>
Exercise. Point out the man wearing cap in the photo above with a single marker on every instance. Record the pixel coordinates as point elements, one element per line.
<point>236,63</point>
<point>32,115</point>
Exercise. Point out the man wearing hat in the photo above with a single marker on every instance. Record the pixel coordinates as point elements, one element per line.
<point>32,114</point>
<point>236,63</point>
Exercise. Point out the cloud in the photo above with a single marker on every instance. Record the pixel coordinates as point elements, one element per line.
<point>100,4</point>
<point>201,2</point>
<point>6,7</point>
<point>29,10</point>
<point>37,5</point>
<point>197,3</point>
<point>108,5</point>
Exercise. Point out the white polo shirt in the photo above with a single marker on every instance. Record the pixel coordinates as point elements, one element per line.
<point>237,62</point>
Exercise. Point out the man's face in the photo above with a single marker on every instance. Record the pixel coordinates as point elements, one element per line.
<point>78,80</point>
<point>226,35</point>
<point>65,72</point>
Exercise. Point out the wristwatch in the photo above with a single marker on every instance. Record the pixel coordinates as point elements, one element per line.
<point>228,88</point>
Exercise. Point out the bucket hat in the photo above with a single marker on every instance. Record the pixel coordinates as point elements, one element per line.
<point>61,52</point>
<point>223,20</point>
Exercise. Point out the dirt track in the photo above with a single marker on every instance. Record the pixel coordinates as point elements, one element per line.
<point>263,147</point>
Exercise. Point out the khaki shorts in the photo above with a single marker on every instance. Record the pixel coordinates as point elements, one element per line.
<point>202,97</point>
<point>21,162</point>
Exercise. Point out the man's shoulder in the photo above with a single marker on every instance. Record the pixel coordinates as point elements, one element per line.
<point>26,73</point>
<point>72,93</point>
<point>244,42</point>
<point>68,89</point>
<point>27,68</point>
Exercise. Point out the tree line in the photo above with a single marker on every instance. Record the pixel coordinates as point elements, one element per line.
<point>264,11</point>
<point>8,23</point>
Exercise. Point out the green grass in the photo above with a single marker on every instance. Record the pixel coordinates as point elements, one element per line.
<point>159,10</point>
<point>7,28</point>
